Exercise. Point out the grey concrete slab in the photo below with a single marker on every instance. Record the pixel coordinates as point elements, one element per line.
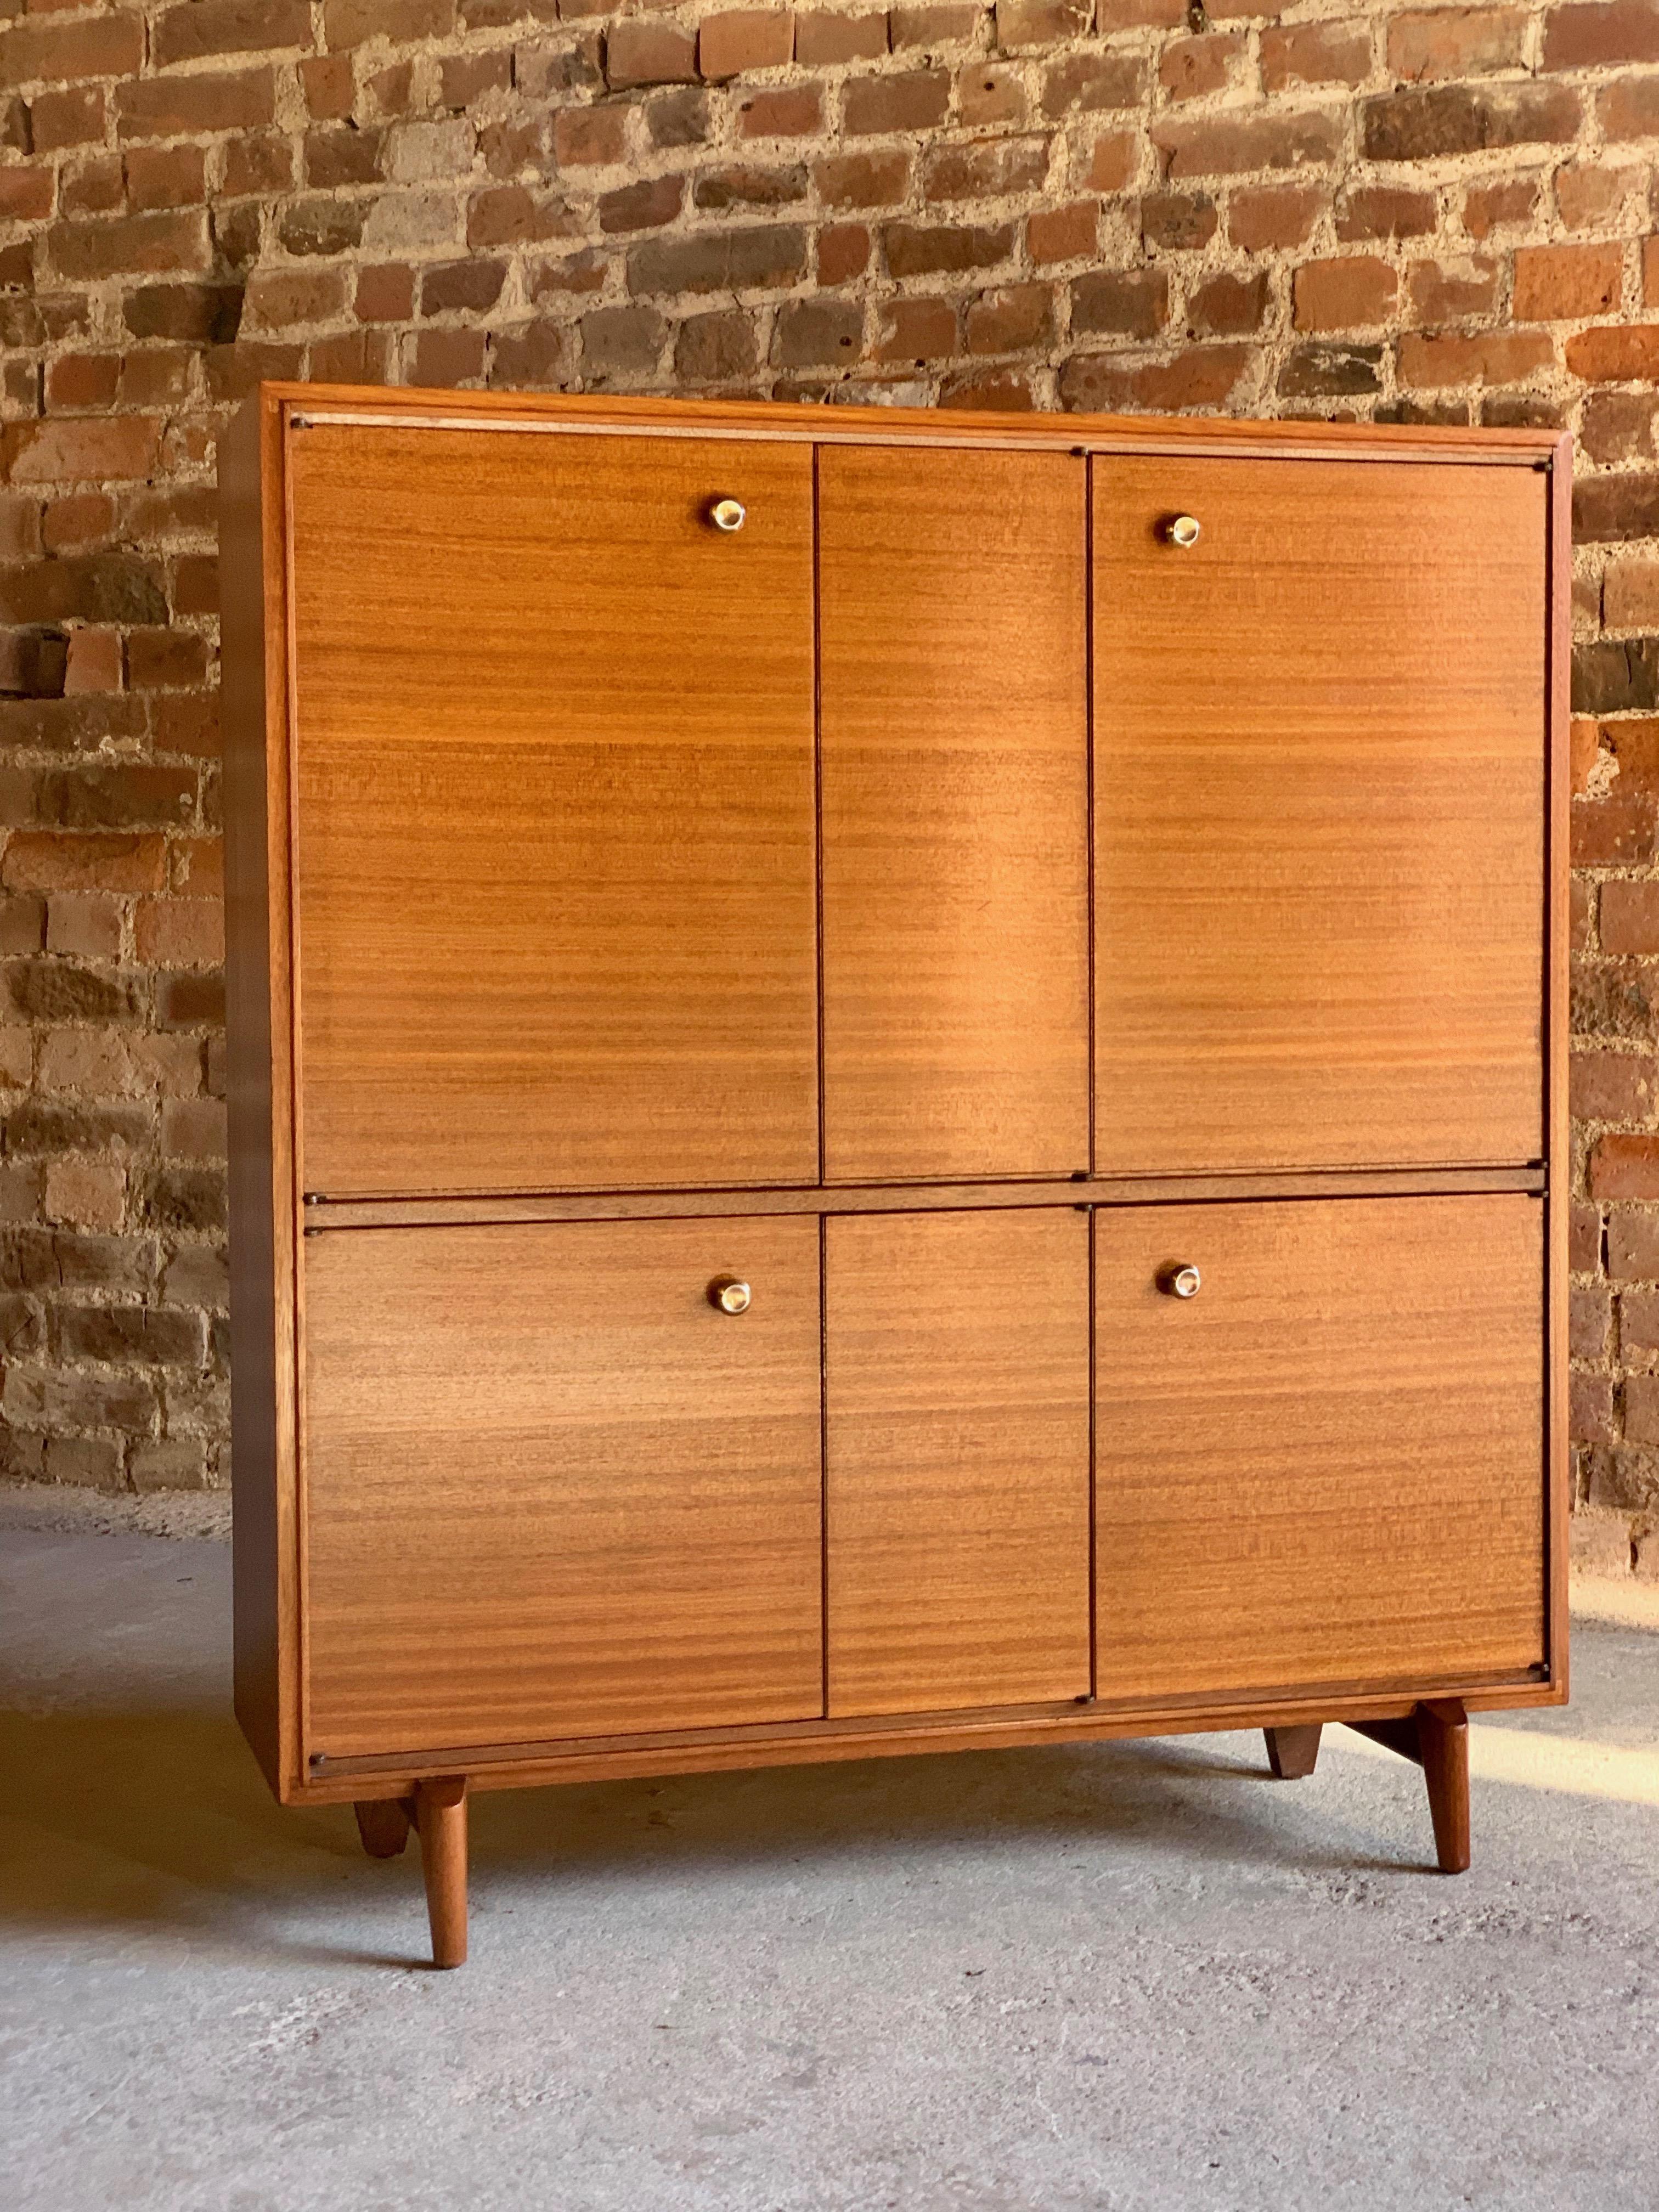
<point>1126,1975</point>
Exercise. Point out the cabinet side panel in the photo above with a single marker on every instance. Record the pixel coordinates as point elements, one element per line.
<point>253,708</point>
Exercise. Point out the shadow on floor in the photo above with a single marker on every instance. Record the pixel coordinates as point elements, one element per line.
<point>161,1820</point>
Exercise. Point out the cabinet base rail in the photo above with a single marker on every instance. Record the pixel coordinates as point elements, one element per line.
<point>1434,1735</point>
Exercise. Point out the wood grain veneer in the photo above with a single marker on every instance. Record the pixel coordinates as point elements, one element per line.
<point>953,711</point>
<point>551,1490</point>
<point>956,1478</point>
<point>1319,815</point>
<point>554,839</point>
<point>1328,1465</point>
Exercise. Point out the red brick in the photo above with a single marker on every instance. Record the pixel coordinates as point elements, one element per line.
<point>133,245</point>
<point>1628,110</point>
<point>203,28</point>
<point>843,253</point>
<point>1630,923</point>
<point>822,40</point>
<point>1272,216</point>
<point>85,452</point>
<point>1023,23</point>
<point>644,206</point>
<point>875,106</point>
<point>1133,303</point>
<point>1613,1087</point>
<point>1597,37</point>
<point>46,860</point>
<point>351,23</point>
<point>1384,211</point>
<point>72,118</point>
<point>1088,83</point>
<point>790,112</point>
<point>1202,377</point>
<point>918,329</point>
<point>1352,293</point>
<point>1443,44</point>
<point>1630,589</point>
<point>1612,833</point>
<point>1625,1167</point>
<point>918,250</point>
<point>639,51</point>
<point>1112,166</point>
<point>1566,282</point>
<point>1590,195</point>
<point>985,168</point>
<point>1615,354</point>
<point>1632,1246</point>
<point>1443,292</point>
<point>1590,1409</point>
<point>1424,126</point>
<point>58,53</point>
<point>987,93</point>
<point>1001,390</point>
<point>1227,306</point>
<point>191,106</point>
<point>745,39</point>
<point>1220,146</point>
<point>330,86</point>
<point>1493,207</point>
<point>1063,233</point>
<point>25,195</point>
<point>82,379</point>
<point>589,138</point>
<point>863,180</point>
<point>1315,53</point>
<point>1017,319</point>
<point>1192,69</point>
<point>1429,360</point>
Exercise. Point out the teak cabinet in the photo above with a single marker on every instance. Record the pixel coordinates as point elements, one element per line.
<point>897,1084</point>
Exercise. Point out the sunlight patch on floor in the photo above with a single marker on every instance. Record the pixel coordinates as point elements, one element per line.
<point>1536,1761</point>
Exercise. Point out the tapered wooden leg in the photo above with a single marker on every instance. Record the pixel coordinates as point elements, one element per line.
<point>1436,1736</point>
<point>1293,1752</point>
<point>441,1817</point>
<point>383,1824</point>
<point>1443,1736</point>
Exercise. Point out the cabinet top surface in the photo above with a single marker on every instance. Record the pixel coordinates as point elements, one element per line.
<point>921,426</point>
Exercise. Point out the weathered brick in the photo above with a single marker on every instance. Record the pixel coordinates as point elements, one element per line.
<point>1615,508</point>
<point>722,261</point>
<point>817,334</point>
<point>1430,359</point>
<point>1578,36</point>
<point>1566,282</point>
<point>823,39</point>
<point>915,99</point>
<point>1625,1166</point>
<point>864,180</point>
<point>1202,377</point>
<point>716,348</point>
<point>639,50</point>
<point>193,106</point>
<point>918,329</point>
<point>1220,146</point>
<point>1023,23</point>
<point>44,52</point>
<point>1272,216</point>
<point>1092,84</point>
<point>625,340</point>
<point>932,250</point>
<point>1444,43</point>
<point>1018,319</point>
<point>985,168</point>
<point>1630,588</point>
<point>1450,292</point>
<point>789,112</point>
<point>1228,305</point>
<point>1344,294</point>
<point>990,91</point>
<point>1063,233</point>
<point>1329,372</point>
<point>743,39</point>
<point>744,185</point>
<point>1178,222</point>
<point>1369,211</point>
<point>1315,53</point>
<point>647,205</point>
<point>1422,126</point>
<point>135,245</point>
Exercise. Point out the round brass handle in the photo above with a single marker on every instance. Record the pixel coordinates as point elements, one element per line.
<point>727,513</point>
<point>1183,532</point>
<point>1182,1282</point>
<point>729,1294</point>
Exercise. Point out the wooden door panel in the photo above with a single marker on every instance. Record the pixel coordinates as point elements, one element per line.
<point>956,1419</point>
<point>1319,814</point>
<point>954,717</point>
<point>551,1491</point>
<point>555,837</point>
<point>1327,1467</point>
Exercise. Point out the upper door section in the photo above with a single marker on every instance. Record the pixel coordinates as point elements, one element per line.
<point>1319,804</point>
<point>954,712</point>
<point>555,836</point>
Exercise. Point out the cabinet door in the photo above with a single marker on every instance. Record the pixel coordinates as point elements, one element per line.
<point>1319,806</point>
<point>554,839</point>
<point>956,1415</point>
<point>1326,1468</point>
<point>955,795</point>
<point>551,1491</point>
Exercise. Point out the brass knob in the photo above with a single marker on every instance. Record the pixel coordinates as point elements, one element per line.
<point>1183,532</point>
<point>729,1294</point>
<point>727,514</point>
<point>1182,1282</point>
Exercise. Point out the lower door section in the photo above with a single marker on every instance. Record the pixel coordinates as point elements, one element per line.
<point>1326,1465</point>
<point>957,1399</point>
<point>553,1489</point>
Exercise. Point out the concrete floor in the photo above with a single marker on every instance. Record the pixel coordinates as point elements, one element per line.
<point>1120,1975</point>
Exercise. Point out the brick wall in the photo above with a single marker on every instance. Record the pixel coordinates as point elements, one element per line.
<point>1437,214</point>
